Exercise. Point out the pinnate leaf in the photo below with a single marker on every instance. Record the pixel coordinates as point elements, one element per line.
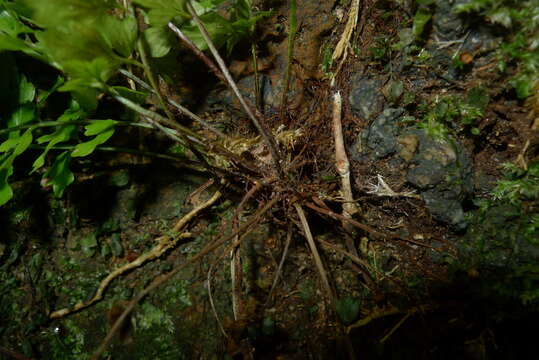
<point>59,175</point>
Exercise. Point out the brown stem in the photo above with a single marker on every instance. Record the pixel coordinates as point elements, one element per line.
<point>266,135</point>
<point>362,263</point>
<point>182,109</point>
<point>281,263</point>
<point>361,226</point>
<point>199,53</point>
<point>164,278</point>
<point>314,251</point>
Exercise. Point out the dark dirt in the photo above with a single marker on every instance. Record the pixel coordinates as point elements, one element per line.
<point>425,310</point>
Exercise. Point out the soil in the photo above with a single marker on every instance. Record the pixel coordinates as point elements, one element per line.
<point>413,300</point>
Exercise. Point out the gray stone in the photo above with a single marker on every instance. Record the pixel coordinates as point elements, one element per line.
<point>440,169</point>
<point>380,138</point>
<point>444,206</point>
<point>447,24</point>
<point>443,173</point>
<point>366,98</point>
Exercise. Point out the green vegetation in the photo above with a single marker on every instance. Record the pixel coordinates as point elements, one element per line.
<point>522,48</point>
<point>77,75</point>
<point>453,114</point>
<point>348,309</point>
<point>293,27</point>
<point>84,46</point>
<point>503,236</point>
<point>422,17</point>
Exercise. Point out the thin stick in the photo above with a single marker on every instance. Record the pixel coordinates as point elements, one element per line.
<point>341,217</point>
<point>164,243</point>
<point>367,228</point>
<point>212,304</point>
<point>292,29</point>
<point>149,74</point>
<point>257,186</point>
<point>164,278</point>
<point>199,53</point>
<point>384,339</point>
<point>341,160</point>
<point>234,245</point>
<point>153,115</point>
<point>391,310</point>
<point>258,88</point>
<point>181,108</point>
<point>236,273</point>
<point>281,263</point>
<point>355,259</point>
<point>266,135</point>
<point>314,252</point>
<point>216,71</point>
<point>236,276</point>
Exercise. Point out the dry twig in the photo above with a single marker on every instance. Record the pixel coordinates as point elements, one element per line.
<point>341,160</point>
<point>314,251</point>
<point>164,278</point>
<point>281,263</point>
<point>341,50</point>
<point>364,227</point>
<point>266,135</point>
<point>164,243</point>
<point>235,254</point>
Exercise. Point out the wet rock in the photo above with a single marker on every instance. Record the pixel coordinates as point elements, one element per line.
<point>408,146</point>
<point>447,24</point>
<point>366,97</point>
<point>271,88</point>
<point>444,206</point>
<point>480,40</point>
<point>442,171</point>
<point>495,239</point>
<point>380,138</point>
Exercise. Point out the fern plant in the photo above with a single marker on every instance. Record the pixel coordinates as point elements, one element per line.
<point>88,42</point>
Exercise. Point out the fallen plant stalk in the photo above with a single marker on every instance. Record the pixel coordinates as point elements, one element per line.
<point>364,227</point>
<point>354,258</point>
<point>391,310</point>
<point>181,108</point>
<point>236,271</point>
<point>281,263</point>
<point>164,243</point>
<point>158,281</point>
<point>341,160</point>
<point>292,29</point>
<point>266,135</point>
<point>235,245</point>
<point>199,53</point>
<point>314,252</point>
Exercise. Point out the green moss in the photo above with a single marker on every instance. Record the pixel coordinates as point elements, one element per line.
<point>521,47</point>
<point>502,238</point>
<point>454,114</point>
